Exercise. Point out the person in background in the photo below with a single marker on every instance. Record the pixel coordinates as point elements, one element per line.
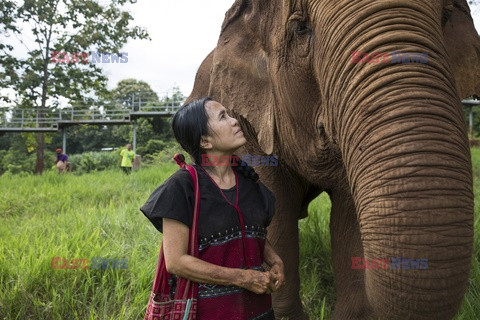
<point>127,159</point>
<point>62,161</point>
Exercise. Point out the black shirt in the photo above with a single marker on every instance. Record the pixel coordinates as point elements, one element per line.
<point>174,199</point>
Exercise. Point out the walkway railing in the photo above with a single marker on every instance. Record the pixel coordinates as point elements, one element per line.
<point>54,119</point>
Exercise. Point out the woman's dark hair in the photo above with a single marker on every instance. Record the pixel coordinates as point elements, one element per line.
<point>190,123</point>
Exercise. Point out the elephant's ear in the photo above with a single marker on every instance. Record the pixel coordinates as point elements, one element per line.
<point>463,46</point>
<point>239,77</point>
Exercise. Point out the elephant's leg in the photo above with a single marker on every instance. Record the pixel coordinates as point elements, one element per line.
<point>351,300</point>
<point>283,235</point>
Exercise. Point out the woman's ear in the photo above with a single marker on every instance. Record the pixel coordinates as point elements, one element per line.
<point>205,143</point>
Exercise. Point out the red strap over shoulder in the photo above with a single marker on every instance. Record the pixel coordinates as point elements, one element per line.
<point>187,288</point>
<point>193,242</point>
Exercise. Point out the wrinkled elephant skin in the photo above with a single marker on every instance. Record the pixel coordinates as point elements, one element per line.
<point>387,141</point>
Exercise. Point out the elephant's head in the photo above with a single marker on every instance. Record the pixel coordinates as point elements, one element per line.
<point>395,131</point>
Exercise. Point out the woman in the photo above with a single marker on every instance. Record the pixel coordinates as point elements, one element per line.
<point>232,281</point>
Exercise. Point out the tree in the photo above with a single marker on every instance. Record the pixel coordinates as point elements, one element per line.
<point>73,28</point>
<point>7,26</point>
<point>131,94</point>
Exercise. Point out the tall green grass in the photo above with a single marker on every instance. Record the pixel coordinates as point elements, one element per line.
<point>97,215</point>
<point>67,216</point>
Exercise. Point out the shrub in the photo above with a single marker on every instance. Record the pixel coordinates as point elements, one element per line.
<point>153,146</point>
<point>165,155</point>
<point>94,161</point>
<point>16,161</point>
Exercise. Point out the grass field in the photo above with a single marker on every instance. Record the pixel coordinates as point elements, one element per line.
<point>96,215</point>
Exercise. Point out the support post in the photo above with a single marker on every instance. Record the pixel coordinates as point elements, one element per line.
<point>134,135</point>
<point>64,144</point>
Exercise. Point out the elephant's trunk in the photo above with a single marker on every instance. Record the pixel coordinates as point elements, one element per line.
<point>412,187</point>
<point>401,131</point>
<point>408,163</point>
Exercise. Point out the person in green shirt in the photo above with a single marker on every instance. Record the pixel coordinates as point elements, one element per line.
<point>127,159</point>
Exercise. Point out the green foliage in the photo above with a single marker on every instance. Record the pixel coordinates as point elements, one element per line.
<point>316,271</point>
<point>476,121</point>
<point>94,161</point>
<point>131,94</point>
<point>91,138</point>
<point>153,146</point>
<point>177,97</point>
<point>165,155</point>
<point>19,161</point>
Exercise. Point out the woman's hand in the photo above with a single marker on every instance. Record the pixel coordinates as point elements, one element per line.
<point>276,267</point>
<point>256,281</point>
<point>177,261</point>
<point>277,275</point>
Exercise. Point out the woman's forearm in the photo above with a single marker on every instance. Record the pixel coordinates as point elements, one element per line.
<point>180,263</point>
<point>201,271</point>
<point>197,270</point>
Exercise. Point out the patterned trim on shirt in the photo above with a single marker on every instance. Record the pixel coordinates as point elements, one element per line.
<point>232,234</point>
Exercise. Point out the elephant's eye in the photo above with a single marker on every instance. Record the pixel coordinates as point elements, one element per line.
<point>301,28</point>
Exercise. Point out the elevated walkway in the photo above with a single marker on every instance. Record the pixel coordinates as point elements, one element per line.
<point>26,120</point>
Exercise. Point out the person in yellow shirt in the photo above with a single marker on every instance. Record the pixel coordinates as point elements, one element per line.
<point>127,159</point>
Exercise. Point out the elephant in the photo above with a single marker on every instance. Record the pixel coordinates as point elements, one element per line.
<point>386,141</point>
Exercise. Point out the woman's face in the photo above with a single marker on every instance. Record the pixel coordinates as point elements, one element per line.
<point>226,135</point>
